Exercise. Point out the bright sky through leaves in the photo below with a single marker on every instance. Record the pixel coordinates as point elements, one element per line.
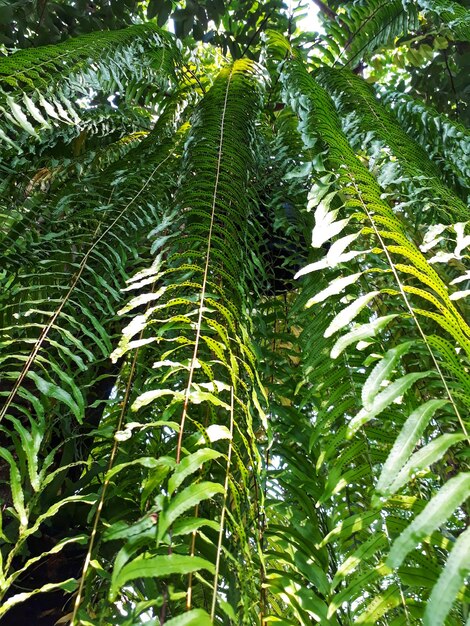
<point>311,21</point>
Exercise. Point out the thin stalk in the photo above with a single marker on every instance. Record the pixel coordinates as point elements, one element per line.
<point>106,482</point>
<point>224,507</point>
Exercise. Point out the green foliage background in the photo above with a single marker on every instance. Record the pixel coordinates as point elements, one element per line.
<point>234,346</point>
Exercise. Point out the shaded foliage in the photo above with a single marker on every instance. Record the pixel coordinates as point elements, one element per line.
<point>234,342</point>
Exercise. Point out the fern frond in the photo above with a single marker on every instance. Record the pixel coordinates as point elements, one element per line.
<point>366,27</point>
<point>372,128</point>
<point>451,14</point>
<point>50,86</point>
<point>58,315</point>
<point>445,141</point>
<point>203,384</point>
<point>359,201</point>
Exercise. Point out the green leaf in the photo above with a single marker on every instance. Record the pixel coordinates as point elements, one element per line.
<point>54,391</point>
<point>325,225</point>
<point>382,372</point>
<point>382,400</point>
<point>335,287</point>
<point>436,512</point>
<point>215,432</point>
<point>16,487</point>
<point>34,111</point>
<point>20,116</point>
<point>405,442</point>
<point>163,462</point>
<point>347,315</point>
<point>185,500</point>
<point>150,396</point>
<point>359,333</point>
<point>450,581</point>
<point>52,510</point>
<point>188,525</point>
<point>227,609</point>
<point>350,525</point>
<point>158,567</point>
<point>31,442</point>
<point>80,539</point>
<point>68,585</point>
<point>424,458</point>
<point>196,617</point>
<point>355,587</point>
<point>380,605</point>
<point>197,396</point>
<point>366,550</point>
<point>190,464</point>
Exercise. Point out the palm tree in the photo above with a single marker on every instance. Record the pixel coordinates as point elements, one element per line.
<point>234,355</point>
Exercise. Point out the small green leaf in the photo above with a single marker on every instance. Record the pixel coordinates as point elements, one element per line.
<point>196,617</point>
<point>347,315</point>
<point>188,525</point>
<point>366,550</point>
<point>52,510</point>
<point>156,567</point>
<point>215,432</point>
<point>185,500</point>
<point>424,458</point>
<point>197,396</point>
<point>355,586</point>
<point>325,225</point>
<point>350,525</point>
<point>450,581</point>
<point>34,111</point>
<point>20,116</point>
<point>189,465</point>
<point>144,298</point>
<point>54,391</point>
<point>80,539</point>
<point>335,287</point>
<point>380,605</point>
<point>145,461</point>
<point>227,609</point>
<point>17,493</point>
<point>31,442</point>
<point>381,372</point>
<point>436,512</point>
<point>8,140</point>
<point>150,396</point>
<point>359,333</point>
<point>382,400</point>
<point>336,254</point>
<point>68,585</point>
<point>405,442</point>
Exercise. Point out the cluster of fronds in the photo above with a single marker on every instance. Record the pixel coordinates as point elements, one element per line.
<point>193,435</point>
<point>445,141</point>
<point>192,431</point>
<point>53,86</point>
<point>63,267</point>
<point>403,346</point>
<point>451,14</point>
<point>364,27</point>
<point>372,129</point>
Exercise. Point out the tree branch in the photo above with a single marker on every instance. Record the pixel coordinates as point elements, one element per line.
<point>256,33</point>
<point>325,9</point>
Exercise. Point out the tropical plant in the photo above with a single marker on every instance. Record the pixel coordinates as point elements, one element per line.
<point>234,363</point>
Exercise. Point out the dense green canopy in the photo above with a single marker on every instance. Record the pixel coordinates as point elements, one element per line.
<point>234,340</point>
